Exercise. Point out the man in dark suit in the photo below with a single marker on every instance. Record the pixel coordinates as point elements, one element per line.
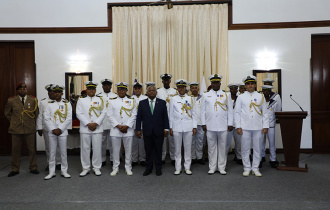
<point>152,113</point>
<point>22,111</point>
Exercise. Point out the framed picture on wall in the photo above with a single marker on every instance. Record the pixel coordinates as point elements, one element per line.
<point>274,74</point>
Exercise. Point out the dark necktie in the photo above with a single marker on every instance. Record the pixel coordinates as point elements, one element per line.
<point>23,101</point>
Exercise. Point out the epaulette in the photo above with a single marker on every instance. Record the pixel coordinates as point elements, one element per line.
<point>113,98</point>
<point>205,91</point>
<point>99,94</point>
<point>43,99</point>
<point>51,101</point>
<point>65,101</point>
<point>81,97</point>
<point>11,97</point>
<point>32,96</point>
<point>158,88</point>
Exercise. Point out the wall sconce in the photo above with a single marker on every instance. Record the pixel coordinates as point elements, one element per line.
<point>78,63</point>
<point>266,60</point>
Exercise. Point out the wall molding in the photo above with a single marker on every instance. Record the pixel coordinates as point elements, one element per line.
<point>108,28</point>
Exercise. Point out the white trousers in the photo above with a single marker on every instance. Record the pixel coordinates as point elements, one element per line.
<point>138,151</point>
<point>197,144</point>
<point>57,144</point>
<point>217,144</point>
<point>86,140</point>
<point>116,146</point>
<point>58,154</point>
<point>186,137</point>
<point>271,140</point>
<point>255,135</point>
<point>106,139</point>
<point>237,139</point>
<point>171,149</point>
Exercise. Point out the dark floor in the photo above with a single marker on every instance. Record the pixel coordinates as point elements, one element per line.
<point>275,190</point>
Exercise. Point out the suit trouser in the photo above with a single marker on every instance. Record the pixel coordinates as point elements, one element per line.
<point>271,140</point>
<point>45,133</point>
<point>106,139</point>
<point>57,144</point>
<point>30,140</point>
<point>255,135</point>
<point>237,139</point>
<point>86,140</point>
<point>217,142</point>
<point>197,144</point>
<point>171,147</point>
<point>153,146</point>
<point>138,151</point>
<point>187,138</point>
<point>116,146</point>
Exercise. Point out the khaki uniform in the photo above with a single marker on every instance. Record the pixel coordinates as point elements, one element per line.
<point>22,127</point>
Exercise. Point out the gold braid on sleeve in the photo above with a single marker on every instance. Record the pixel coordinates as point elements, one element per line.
<point>185,107</point>
<point>221,105</point>
<point>255,105</point>
<point>29,113</point>
<point>99,108</point>
<point>127,111</point>
<point>61,116</point>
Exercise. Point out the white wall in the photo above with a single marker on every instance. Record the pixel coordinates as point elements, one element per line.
<point>264,11</point>
<point>54,52</point>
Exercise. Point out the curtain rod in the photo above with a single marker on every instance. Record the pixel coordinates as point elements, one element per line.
<point>157,3</point>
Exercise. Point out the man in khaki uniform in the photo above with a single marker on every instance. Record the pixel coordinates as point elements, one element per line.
<point>22,111</point>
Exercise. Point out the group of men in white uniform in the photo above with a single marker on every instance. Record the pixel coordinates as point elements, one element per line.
<point>109,118</point>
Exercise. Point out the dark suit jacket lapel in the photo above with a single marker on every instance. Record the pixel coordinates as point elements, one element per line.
<point>156,105</point>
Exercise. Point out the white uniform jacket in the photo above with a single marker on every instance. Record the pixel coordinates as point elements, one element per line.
<point>117,115</point>
<point>197,106</point>
<point>107,97</point>
<point>166,95</point>
<point>277,98</point>
<point>182,120</point>
<point>233,103</point>
<point>40,120</point>
<point>272,107</point>
<point>54,120</point>
<point>87,115</point>
<point>216,117</point>
<point>137,101</point>
<point>249,116</point>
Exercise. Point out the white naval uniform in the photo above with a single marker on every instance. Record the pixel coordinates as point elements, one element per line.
<point>88,137</point>
<point>41,126</point>
<point>182,125</point>
<point>217,119</point>
<point>115,118</point>
<point>56,143</point>
<point>272,107</point>
<point>252,123</point>
<point>106,127</point>
<point>198,139</point>
<point>138,151</point>
<point>166,95</point>
<point>237,138</point>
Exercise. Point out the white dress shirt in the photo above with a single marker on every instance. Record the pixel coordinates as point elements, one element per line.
<point>107,97</point>
<point>246,116</point>
<point>53,121</point>
<point>216,117</point>
<point>83,110</point>
<point>118,116</point>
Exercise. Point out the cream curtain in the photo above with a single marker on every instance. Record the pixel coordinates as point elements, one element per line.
<point>79,84</point>
<point>185,41</point>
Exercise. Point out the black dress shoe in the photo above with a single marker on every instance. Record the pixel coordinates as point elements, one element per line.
<point>47,168</point>
<point>263,159</point>
<point>159,173</point>
<point>134,164</point>
<point>111,163</point>
<point>58,167</point>
<point>104,163</point>
<point>13,173</point>
<point>147,172</point>
<point>173,162</point>
<point>163,162</point>
<point>274,164</point>
<point>206,159</point>
<point>235,158</point>
<point>143,163</point>
<point>193,161</point>
<point>35,171</point>
<point>201,162</point>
